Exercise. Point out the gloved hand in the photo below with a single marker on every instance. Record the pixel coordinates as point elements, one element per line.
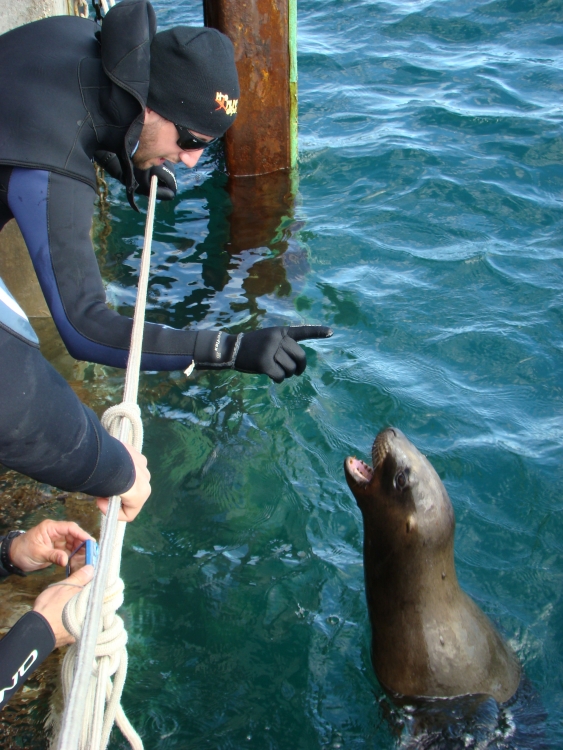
<point>271,351</point>
<point>109,161</point>
<point>166,188</point>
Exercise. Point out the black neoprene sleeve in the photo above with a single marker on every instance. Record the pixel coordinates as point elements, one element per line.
<point>22,650</point>
<point>54,214</point>
<point>48,434</point>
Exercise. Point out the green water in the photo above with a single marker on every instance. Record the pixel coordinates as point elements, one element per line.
<point>427,232</point>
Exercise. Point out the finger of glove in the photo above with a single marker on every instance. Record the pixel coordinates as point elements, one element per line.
<point>109,161</point>
<point>166,175</point>
<point>295,353</point>
<point>164,193</point>
<point>287,363</point>
<point>298,333</point>
<point>275,372</point>
<point>143,179</point>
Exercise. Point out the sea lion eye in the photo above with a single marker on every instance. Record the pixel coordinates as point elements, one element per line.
<point>401,480</point>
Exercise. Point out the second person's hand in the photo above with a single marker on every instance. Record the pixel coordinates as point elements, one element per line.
<point>133,500</point>
<point>47,543</point>
<point>51,602</point>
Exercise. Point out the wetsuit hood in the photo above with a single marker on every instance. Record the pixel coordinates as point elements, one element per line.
<point>127,32</point>
<point>69,89</point>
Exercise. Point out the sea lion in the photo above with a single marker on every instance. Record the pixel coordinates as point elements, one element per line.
<point>429,639</point>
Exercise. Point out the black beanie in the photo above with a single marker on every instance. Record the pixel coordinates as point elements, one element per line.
<point>193,79</point>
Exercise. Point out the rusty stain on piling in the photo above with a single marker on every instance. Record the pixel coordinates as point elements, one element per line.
<point>259,141</point>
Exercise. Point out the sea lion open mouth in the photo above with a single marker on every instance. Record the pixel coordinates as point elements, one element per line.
<point>358,470</point>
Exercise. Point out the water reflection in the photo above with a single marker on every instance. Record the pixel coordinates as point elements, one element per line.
<point>218,251</point>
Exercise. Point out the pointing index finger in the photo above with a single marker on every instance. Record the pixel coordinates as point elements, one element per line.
<point>299,333</point>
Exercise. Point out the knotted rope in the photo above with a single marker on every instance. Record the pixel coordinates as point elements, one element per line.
<point>92,699</point>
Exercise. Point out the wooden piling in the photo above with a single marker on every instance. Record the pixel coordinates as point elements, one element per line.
<point>263,138</point>
<point>261,146</point>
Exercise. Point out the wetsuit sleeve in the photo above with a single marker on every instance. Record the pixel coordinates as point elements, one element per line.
<point>54,213</point>
<point>22,650</point>
<point>48,434</point>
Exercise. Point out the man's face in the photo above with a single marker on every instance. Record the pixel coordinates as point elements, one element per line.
<point>158,143</point>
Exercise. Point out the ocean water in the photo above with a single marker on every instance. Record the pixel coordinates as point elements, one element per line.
<point>427,232</point>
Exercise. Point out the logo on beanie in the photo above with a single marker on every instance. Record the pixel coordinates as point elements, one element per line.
<point>229,105</point>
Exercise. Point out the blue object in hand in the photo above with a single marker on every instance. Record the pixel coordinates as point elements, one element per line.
<point>92,551</point>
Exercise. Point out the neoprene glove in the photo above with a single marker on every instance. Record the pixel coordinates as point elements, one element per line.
<point>166,188</point>
<point>270,351</point>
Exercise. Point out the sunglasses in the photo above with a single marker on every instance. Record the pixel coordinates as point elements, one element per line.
<point>189,142</point>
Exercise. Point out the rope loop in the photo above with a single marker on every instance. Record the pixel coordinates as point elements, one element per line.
<point>110,657</point>
<point>113,416</point>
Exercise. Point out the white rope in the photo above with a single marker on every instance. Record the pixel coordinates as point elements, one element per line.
<point>92,699</point>
<point>112,417</point>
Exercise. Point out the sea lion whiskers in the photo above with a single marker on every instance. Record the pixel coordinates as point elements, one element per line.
<point>380,448</point>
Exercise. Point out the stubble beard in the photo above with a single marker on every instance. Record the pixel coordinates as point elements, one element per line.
<point>146,153</point>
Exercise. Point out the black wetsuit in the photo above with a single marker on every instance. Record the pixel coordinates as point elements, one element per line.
<point>48,434</point>
<point>22,650</point>
<point>67,91</point>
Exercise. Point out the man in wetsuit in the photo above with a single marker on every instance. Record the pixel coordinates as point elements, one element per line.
<point>135,100</point>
